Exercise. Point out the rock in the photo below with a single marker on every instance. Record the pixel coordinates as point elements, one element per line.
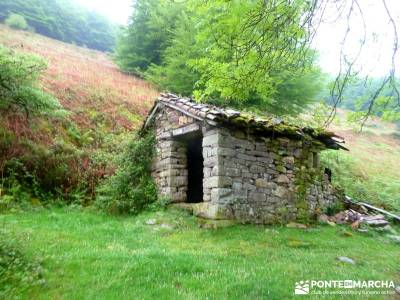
<point>288,159</point>
<point>374,217</point>
<point>377,223</point>
<point>346,260</point>
<point>167,226</point>
<point>397,289</point>
<point>347,233</point>
<point>214,224</point>
<point>151,222</point>
<point>353,216</point>
<point>363,209</point>
<point>341,217</point>
<point>394,238</point>
<point>362,230</point>
<point>386,228</point>
<point>261,183</point>
<point>296,225</point>
<point>355,224</point>
<point>323,218</point>
<point>283,179</point>
<point>331,223</point>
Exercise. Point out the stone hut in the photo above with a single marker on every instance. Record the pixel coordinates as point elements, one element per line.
<point>233,165</point>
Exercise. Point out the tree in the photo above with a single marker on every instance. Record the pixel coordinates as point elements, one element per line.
<point>250,54</point>
<point>174,73</point>
<point>19,91</point>
<point>16,21</point>
<point>147,35</point>
<point>63,20</point>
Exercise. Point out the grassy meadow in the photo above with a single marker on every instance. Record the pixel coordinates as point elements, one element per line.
<point>86,255</point>
<point>83,254</point>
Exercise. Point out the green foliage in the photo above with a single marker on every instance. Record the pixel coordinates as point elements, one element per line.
<point>148,34</point>
<point>334,208</point>
<point>378,189</point>
<point>16,21</point>
<point>42,173</point>
<point>248,44</point>
<point>18,273</point>
<point>19,90</point>
<point>224,52</point>
<point>63,20</point>
<point>358,95</point>
<point>174,74</point>
<point>131,189</point>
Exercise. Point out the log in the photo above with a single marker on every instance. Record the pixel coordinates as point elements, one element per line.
<point>371,207</point>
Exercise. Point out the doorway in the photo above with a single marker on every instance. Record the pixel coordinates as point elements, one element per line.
<point>194,152</point>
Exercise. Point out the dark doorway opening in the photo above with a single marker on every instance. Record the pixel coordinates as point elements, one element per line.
<point>195,169</point>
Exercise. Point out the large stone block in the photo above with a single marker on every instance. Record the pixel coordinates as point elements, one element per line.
<point>216,139</point>
<point>257,169</point>
<point>257,197</point>
<point>210,210</point>
<point>262,183</point>
<point>217,181</point>
<point>177,181</point>
<point>221,195</point>
<point>226,151</point>
<point>280,192</point>
<point>282,179</point>
<point>210,162</point>
<point>246,157</point>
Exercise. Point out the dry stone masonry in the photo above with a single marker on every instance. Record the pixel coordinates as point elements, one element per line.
<point>252,170</point>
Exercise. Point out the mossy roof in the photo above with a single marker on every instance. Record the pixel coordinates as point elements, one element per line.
<point>262,126</point>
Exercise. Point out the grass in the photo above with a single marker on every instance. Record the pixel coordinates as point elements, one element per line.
<point>370,171</point>
<point>91,256</point>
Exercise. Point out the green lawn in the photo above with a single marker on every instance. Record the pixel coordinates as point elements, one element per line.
<point>91,256</point>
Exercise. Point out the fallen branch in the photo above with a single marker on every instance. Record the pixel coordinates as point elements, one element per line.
<point>371,207</point>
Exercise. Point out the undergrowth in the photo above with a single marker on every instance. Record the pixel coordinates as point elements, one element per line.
<point>18,272</point>
<point>375,188</point>
<point>131,189</point>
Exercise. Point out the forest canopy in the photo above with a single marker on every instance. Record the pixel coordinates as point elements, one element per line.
<point>255,55</point>
<point>63,20</point>
<point>226,52</point>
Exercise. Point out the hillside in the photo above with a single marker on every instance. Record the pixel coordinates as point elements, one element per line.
<point>84,79</point>
<point>63,20</point>
<point>105,105</point>
<point>370,171</point>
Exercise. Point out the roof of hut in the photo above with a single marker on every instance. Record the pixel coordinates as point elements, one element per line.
<point>256,125</point>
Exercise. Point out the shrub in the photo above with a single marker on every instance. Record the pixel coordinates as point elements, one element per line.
<point>131,189</point>
<point>16,21</point>
<point>18,273</point>
<point>19,90</point>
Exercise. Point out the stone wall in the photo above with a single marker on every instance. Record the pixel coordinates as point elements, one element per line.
<point>263,181</point>
<point>252,180</point>
<point>170,164</point>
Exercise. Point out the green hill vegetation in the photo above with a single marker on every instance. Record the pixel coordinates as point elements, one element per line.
<point>65,113</point>
<point>62,20</point>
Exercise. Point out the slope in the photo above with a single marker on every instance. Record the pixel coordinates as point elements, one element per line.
<point>103,105</point>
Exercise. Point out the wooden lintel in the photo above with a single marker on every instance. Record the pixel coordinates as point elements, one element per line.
<point>186,129</point>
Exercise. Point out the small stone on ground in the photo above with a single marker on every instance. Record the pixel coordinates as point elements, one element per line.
<point>296,225</point>
<point>151,222</point>
<point>346,260</point>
